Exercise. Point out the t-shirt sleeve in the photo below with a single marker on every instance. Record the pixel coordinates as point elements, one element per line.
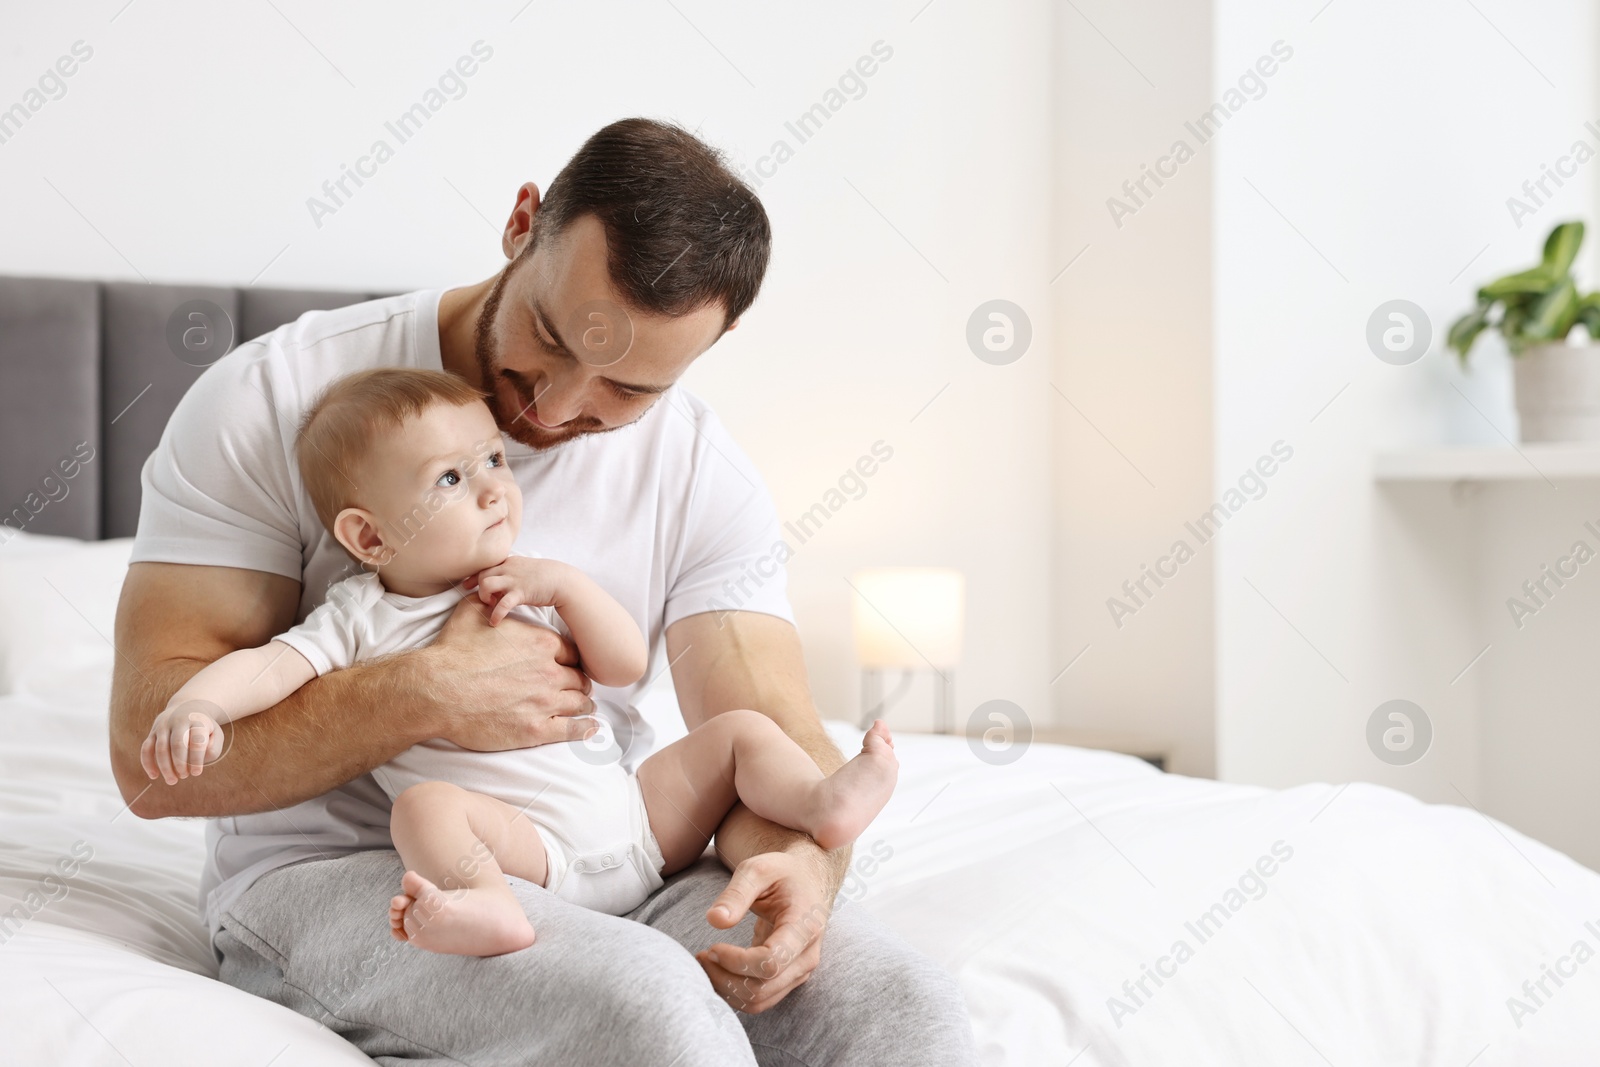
<point>733,548</point>
<point>329,637</point>
<point>218,489</point>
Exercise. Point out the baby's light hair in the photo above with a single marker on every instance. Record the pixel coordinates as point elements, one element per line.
<point>342,425</point>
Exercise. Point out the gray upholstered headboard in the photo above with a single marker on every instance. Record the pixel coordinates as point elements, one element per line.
<point>90,365</point>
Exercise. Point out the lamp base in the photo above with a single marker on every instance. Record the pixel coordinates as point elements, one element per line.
<point>875,706</point>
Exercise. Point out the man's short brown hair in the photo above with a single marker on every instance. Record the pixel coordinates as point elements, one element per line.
<point>339,430</point>
<point>682,230</point>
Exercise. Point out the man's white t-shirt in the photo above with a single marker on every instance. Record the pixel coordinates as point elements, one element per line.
<point>667,515</point>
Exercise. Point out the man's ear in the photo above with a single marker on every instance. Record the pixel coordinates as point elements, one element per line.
<point>520,226</point>
<point>734,325</point>
<point>357,530</point>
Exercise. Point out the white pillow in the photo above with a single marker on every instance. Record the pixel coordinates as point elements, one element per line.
<point>58,608</point>
<point>15,542</point>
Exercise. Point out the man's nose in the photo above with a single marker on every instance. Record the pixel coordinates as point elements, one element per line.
<point>559,402</point>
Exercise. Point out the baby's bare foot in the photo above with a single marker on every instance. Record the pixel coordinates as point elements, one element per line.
<point>851,797</point>
<point>462,922</point>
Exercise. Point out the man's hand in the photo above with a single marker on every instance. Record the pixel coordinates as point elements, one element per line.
<point>792,899</point>
<point>517,684</point>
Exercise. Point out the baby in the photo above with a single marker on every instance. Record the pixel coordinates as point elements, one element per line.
<point>406,471</point>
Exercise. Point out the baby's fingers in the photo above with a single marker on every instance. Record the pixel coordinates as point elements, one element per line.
<point>503,608</point>
<point>490,589</point>
<point>163,747</point>
<point>178,750</point>
<point>147,757</point>
<point>199,740</point>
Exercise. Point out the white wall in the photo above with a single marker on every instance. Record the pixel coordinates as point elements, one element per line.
<point>1224,315</point>
<point>1376,167</point>
<point>1540,686</point>
<point>185,150</point>
<point>1131,390</point>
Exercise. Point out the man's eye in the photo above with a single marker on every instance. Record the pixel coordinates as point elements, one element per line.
<point>448,480</point>
<point>624,394</point>
<point>538,335</point>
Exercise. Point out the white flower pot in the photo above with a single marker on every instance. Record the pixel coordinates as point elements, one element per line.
<point>1558,392</point>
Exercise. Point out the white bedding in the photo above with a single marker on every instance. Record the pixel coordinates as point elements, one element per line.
<point>1393,932</point>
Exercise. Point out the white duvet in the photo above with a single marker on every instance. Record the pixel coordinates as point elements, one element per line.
<point>1094,911</point>
<point>1387,931</point>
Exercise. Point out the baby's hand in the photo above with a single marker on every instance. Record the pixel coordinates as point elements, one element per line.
<point>519,580</point>
<point>183,739</point>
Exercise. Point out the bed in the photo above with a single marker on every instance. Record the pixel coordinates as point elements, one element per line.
<point>1094,910</point>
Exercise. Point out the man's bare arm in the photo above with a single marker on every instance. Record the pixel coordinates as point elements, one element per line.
<point>727,660</point>
<point>481,687</point>
<point>742,659</point>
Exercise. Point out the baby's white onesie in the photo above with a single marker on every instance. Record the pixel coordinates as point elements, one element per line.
<point>589,810</point>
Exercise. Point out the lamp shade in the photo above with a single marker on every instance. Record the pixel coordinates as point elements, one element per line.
<point>909,616</point>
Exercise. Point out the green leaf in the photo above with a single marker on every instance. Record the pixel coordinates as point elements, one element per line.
<point>1561,248</point>
<point>1465,330</point>
<point>1523,301</point>
<point>1552,317</point>
<point>1511,328</point>
<point>1589,315</point>
<point>1536,280</point>
<point>1539,304</point>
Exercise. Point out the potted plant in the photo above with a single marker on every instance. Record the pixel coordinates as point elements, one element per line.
<point>1557,384</point>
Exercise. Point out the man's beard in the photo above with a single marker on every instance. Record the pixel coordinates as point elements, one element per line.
<point>513,418</point>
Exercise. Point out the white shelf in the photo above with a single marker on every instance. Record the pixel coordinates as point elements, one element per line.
<point>1489,463</point>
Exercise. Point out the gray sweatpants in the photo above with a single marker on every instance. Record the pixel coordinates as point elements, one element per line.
<point>594,989</point>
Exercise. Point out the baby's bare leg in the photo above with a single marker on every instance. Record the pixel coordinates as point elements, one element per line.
<point>743,755</point>
<point>458,846</point>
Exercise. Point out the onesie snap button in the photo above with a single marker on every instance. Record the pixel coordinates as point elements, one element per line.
<point>609,862</point>
<point>578,866</point>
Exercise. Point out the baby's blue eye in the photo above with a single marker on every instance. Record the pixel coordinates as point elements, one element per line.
<point>497,460</point>
<point>448,480</point>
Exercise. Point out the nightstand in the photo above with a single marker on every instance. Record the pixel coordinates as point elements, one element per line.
<point>1154,751</point>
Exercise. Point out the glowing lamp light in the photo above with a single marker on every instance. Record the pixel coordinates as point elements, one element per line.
<point>908,619</point>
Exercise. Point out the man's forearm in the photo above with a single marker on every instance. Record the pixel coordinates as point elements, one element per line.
<point>328,732</point>
<point>748,660</point>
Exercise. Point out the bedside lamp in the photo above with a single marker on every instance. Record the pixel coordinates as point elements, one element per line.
<point>909,619</point>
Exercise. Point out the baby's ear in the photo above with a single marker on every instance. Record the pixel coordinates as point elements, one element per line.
<point>357,531</point>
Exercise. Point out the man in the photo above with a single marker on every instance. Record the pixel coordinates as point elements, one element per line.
<point>645,251</point>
